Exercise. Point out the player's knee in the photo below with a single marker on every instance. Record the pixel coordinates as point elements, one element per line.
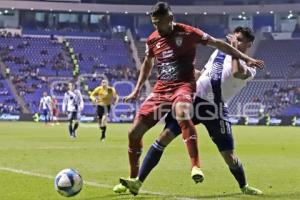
<point>183,113</point>
<point>230,158</point>
<point>166,137</point>
<point>134,134</point>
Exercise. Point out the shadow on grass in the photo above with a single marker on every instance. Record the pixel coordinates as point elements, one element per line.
<point>148,196</point>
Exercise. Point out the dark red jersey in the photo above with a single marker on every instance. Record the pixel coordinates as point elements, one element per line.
<point>175,53</point>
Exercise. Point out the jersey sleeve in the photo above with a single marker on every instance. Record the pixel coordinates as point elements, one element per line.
<point>199,36</point>
<point>65,102</point>
<point>81,102</point>
<point>149,50</point>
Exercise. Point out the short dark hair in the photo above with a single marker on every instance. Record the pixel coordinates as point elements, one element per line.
<point>246,31</point>
<point>160,9</point>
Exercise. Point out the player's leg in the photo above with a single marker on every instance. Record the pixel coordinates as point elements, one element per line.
<point>237,170</point>
<point>155,152</point>
<point>221,132</point>
<point>135,147</point>
<point>183,108</point>
<point>70,116</point>
<point>153,155</point>
<point>144,120</point>
<point>76,117</point>
<point>101,115</point>
<point>46,114</point>
<point>104,122</point>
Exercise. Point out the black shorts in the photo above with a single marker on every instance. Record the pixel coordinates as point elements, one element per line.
<point>101,110</point>
<point>74,115</point>
<point>219,128</point>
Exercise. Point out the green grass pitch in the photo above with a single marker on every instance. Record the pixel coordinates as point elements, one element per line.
<point>31,155</point>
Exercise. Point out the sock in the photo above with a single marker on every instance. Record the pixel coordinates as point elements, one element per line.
<point>134,154</point>
<point>103,131</point>
<point>239,174</point>
<point>70,129</point>
<point>151,160</point>
<point>76,125</point>
<point>189,135</point>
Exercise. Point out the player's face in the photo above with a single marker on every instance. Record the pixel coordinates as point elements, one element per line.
<point>70,86</point>
<point>45,94</point>
<point>243,43</point>
<point>104,83</point>
<point>163,24</point>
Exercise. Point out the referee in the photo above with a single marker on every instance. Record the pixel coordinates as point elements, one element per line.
<point>103,96</point>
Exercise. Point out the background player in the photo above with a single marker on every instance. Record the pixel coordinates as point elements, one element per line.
<point>45,107</point>
<point>174,47</point>
<point>55,111</point>
<point>223,83</point>
<point>72,105</point>
<point>103,96</point>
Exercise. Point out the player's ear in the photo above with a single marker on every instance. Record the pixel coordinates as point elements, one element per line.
<point>171,18</point>
<point>249,44</point>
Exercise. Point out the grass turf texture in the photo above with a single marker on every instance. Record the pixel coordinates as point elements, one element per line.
<point>270,156</point>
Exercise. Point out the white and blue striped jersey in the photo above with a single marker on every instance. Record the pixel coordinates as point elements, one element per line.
<point>45,103</point>
<point>73,101</point>
<point>217,84</point>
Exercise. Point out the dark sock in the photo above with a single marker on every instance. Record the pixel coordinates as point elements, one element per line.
<point>70,129</point>
<point>151,160</point>
<point>75,126</point>
<point>238,172</point>
<point>103,131</point>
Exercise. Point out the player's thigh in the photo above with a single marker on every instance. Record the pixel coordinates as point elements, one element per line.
<point>221,133</point>
<point>100,111</point>
<point>183,102</point>
<point>45,112</point>
<point>152,110</point>
<point>139,127</point>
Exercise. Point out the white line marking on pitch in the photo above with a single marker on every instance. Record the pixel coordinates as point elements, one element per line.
<point>90,183</point>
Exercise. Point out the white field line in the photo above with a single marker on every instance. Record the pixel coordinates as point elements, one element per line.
<point>89,183</point>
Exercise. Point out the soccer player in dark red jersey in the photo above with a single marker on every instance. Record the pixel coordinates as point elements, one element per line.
<point>173,45</point>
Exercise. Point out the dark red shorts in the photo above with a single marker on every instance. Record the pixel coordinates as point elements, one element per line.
<point>55,112</point>
<point>162,99</point>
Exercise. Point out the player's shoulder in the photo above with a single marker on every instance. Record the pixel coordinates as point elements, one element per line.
<point>98,88</point>
<point>185,27</point>
<point>111,88</point>
<point>77,91</point>
<point>153,37</point>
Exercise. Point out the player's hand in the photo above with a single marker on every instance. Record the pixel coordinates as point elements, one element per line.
<point>232,40</point>
<point>260,64</point>
<point>131,97</point>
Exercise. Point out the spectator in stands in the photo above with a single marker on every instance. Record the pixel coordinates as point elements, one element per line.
<point>7,72</point>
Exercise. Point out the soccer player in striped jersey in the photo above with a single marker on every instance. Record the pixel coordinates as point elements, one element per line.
<point>45,107</point>
<point>73,105</point>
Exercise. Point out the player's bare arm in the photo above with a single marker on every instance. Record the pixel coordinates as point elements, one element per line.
<point>143,76</point>
<point>228,49</point>
<point>116,97</point>
<point>238,71</point>
<point>198,73</point>
<point>92,95</point>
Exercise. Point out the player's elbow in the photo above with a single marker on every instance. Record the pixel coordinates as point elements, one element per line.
<point>239,75</point>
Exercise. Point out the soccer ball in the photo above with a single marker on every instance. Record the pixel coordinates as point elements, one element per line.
<point>68,182</point>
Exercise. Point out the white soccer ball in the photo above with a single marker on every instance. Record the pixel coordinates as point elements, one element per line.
<point>68,182</point>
